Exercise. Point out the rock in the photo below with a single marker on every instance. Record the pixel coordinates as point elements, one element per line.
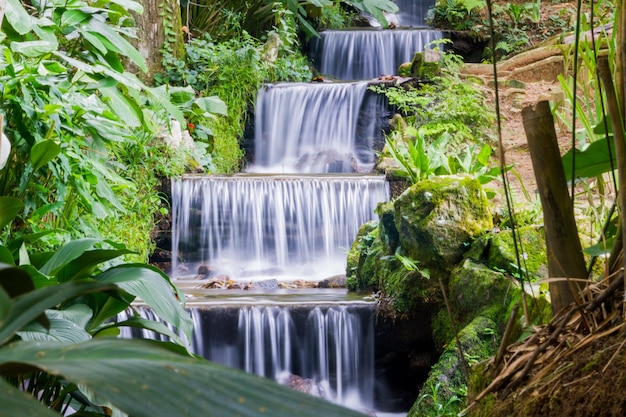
<point>305,385</point>
<point>357,256</point>
<point>388,232</point>
<point>266,284</point>
<point>474,286</point>
<point>338,281</point>
<point>206,271</point>
<point>501,252</point>
<point>437,219</point>
<point>446,378</point>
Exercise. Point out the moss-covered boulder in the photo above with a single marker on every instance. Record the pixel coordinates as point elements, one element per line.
<point>474,286</point>
<point>355,277</point>
<point>389,236</point>
<point>531,241</point>
<point>445,385</point>
<point>437,219</point>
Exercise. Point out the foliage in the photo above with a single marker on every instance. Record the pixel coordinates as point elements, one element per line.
<point>56,344</point>
<point>456,14</point>
<point>437,120</point>
<point>71,111</point>
<point>233,70</point>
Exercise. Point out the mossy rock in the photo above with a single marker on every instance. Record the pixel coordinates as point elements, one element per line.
<point>473,287</point>
<point>437,219</point>
<point>408,292</point>
<point>387,228</point>
<point>357,255</point>
<point>446,379</point>
<point>501,253</point>
<point>404,70</point>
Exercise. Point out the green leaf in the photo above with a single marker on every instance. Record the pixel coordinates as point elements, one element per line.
<point>154,288</point>
<point>9,209</point>
<point>169,383</point>
<point>127,109</point>
<point>73,17</point>
<point>115,42</point>
<point>591,162</point>
<point>83,266</point>
<point>130,5</point>
<point>66,254</point>
<point>43,152</point>
<point>17,403</point>
<point>28,307</point>
<point>64,326</point>
<point>17,17</point>
<point>213,105</point>
<point>34,49</point>
<point>5,305</point>
<point>155,326</point>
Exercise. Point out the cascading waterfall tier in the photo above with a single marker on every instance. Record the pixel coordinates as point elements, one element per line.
<point>249,226</point>
<point>413,13</point>
<point>326,351</point>
<point>317,128</point>
<point>367,54</point>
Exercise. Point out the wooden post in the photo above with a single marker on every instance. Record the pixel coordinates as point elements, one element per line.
<point>617,123</point>
<point>565,256</point>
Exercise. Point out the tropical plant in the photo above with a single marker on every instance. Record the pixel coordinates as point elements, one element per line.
<point>67,102</point>
<point>456,14</point>
<point>56,312</point>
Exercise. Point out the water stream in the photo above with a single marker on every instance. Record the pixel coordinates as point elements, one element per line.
<point>294,215</point>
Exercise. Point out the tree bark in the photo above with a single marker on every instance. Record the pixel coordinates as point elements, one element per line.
<point>159,28</point>
<point>565,256</point>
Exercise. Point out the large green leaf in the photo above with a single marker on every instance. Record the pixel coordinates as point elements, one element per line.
<point>165,382</point>
<point>154,288</point>
<point>212,104</point>
<point>115,42</point>
<point>591,162</point>
<point>5,305</point>
<point>66,254</point>
<point>43,152</point>
<point>9,208</point>
<point>18,403</point>
<point>17,17</point>
<point>34,49</point>
<point>67,325</point>
<point>30,306</point>
<point>83,266</point>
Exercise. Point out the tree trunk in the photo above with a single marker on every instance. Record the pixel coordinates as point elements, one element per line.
<point>565,256</point>
<point>159,29</point>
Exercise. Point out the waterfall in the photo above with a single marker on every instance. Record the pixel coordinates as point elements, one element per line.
<point>316,128</point>
<point>325,350</point>
<point>413,13</point>
<point>250,225</point>
<point>366,54</point>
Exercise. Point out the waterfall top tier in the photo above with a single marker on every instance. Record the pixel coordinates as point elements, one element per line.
<point>269,226</point>
<point>366,54</point>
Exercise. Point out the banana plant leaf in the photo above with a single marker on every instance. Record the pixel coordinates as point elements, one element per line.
<point>152,379</point>
<point>591,162</point>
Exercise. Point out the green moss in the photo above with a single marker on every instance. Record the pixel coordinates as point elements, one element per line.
<point>533,251</point>
<point>357,274</point>
<point>442,329</point>
<point>437,219</point>
<point>446,379</point>
<point>388,232</point>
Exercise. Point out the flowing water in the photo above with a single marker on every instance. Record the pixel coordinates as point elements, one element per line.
<point>294,215</point>
<point>258,226</point>
<point>366,54</point>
